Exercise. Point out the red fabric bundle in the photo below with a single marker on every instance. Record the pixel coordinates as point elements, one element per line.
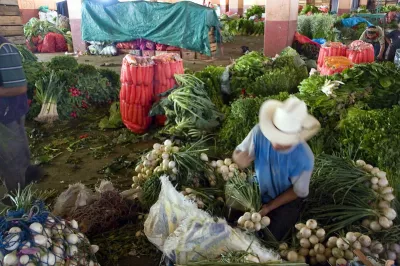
<point>304,39</point>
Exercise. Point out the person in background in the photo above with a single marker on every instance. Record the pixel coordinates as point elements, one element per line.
<point>393,39</point>
<point>375,36</point>
<point>283,160</point>
<point>15,169</point>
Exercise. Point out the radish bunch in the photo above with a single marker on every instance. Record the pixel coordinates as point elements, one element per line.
<point>55,242</point>
<point>252,221</point>
<point>380,185</point>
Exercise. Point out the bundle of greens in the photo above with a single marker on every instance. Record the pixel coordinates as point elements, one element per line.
<point>310,9</point>
<point>188,108</point>
<point>304,25</point>
<point>243,116</point>
<point>47,93</point>
<point>36,27</point>
<point>27,56</point>
<point>373,135</point>
<point>211,77</point>
<point>255,11</point>
<point>242,194</point>
<point>246,69</point>
<point>317,26</point>
<point>284,75</point>
<point>63,63</point>
<point>114,120</point>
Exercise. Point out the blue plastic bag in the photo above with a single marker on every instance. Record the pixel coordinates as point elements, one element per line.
<point>320,41</point>
<point>354,21</point>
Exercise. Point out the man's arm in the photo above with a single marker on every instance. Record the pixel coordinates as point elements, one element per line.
<point>243,156</point>
<point>11,92</point>
<point>286,197</point>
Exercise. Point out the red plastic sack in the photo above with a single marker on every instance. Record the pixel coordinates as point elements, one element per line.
<point>31,47</point>
<point>331,49</point>
<point>136,94</point>
<point>52,43</point>
<point>361,52</point>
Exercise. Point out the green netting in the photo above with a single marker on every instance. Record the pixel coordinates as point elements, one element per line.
<point>184,24</point>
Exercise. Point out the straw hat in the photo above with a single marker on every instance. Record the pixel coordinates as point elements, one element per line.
<point>288,122</point>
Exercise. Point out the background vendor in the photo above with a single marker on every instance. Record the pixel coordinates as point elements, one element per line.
<point>283,160</point>
<point>375,36</point>
<point>393,39</point>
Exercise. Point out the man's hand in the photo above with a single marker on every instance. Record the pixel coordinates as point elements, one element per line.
<point>242,158</point>
<point>380,57</point>
<point>265,209</point>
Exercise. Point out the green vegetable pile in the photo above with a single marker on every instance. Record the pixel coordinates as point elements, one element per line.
<point>317,26</point>
<point>79,86</point>
<point>255,11</point>
<point>242,26</point>
<point>188,108</point>
<point>243,116</point>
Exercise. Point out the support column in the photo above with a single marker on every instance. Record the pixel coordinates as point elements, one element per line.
<point>363,2</point>
<point>75,19</point>
<point>280,25</point>
<point>224,4</point>
<point>236,6</point>
<point>344,6</point>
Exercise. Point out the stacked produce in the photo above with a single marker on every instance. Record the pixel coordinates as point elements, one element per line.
<point>136,93</point>
<point>360,52</point>
<point>331,49</point>
<point>204,198</point>
<point>334,64</point>
<point>226,168</point>
<point>43,239</point>
<point>165,68</point>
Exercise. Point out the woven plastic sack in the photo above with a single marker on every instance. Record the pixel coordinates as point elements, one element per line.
<point>331,49</point>
<point>360,52</point>
<point>61,44</point>
<point>49,43</point>
<point>135,116</point>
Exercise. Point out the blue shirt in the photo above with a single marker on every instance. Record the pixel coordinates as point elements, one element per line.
<point>11,75</point>
<point>277,171</point>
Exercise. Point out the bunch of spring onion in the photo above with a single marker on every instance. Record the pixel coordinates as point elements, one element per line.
<point>55,242</point>
<point>47,91</point>
<point>385,214</point>
<point>252,221</point>
<point>175,161</point>
<point>188,108</point>
<point>227,169</point>
<point>350,200</point>
<point>200,197</point>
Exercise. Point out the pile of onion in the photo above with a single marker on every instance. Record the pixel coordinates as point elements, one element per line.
<point>380,185</point>
<point>252,221</point>
<point>226,168</point>
<point>55,242</point>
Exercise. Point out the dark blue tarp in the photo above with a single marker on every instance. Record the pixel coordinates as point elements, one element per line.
<point>353,21</point>
<point>184,24</point>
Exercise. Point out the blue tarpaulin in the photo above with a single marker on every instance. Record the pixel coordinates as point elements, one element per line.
<point>354,21</point>
<point>184,24</point>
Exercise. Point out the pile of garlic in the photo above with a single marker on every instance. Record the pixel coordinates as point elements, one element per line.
<point>252,221</point>
<point>201,199</point>
<point>380,185</point>
<point>56,242</point>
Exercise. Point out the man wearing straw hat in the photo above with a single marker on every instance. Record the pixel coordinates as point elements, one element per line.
<point>283,160</point>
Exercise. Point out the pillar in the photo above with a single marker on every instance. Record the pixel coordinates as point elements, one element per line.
<point>224,4</point>
<point>363,2</point>
<point>75,19</point>
<point>280,25</point>
<point>344,6</point>
<point>236,6</point>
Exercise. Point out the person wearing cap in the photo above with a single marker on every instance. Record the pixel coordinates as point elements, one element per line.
<point>283,160</point>
<point>375,36</point>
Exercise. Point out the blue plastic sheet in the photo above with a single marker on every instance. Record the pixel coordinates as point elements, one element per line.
<point>184,24</point>
<point>354,21</point>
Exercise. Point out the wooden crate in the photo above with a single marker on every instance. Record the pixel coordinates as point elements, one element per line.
<point>188,55</point>
<point>11,25</point>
